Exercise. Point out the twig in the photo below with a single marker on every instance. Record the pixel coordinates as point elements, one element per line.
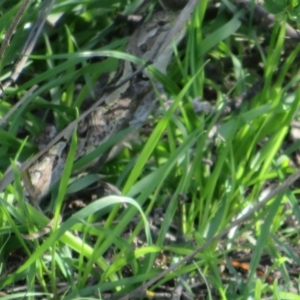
<point>267,20</point>
<point>30,43</point>
<point>17,105</point>
<point>276,192</point>
<point>12,27</point>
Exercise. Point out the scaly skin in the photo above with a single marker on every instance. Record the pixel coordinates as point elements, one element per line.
<point>129,105</point>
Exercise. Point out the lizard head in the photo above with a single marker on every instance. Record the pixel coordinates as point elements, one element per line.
<point>147,41</point>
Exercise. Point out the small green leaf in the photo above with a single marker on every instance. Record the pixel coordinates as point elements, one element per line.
<point>275,6</point>
<point>294,3</point>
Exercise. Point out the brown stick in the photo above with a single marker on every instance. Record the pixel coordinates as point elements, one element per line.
<point>276,192</point>
<point>12,27</point>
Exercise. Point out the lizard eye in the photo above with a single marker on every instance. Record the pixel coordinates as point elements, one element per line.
<point>162,23</point>
<point>143,48</point>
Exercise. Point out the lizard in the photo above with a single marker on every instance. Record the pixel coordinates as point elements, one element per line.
<point>126,106</point>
